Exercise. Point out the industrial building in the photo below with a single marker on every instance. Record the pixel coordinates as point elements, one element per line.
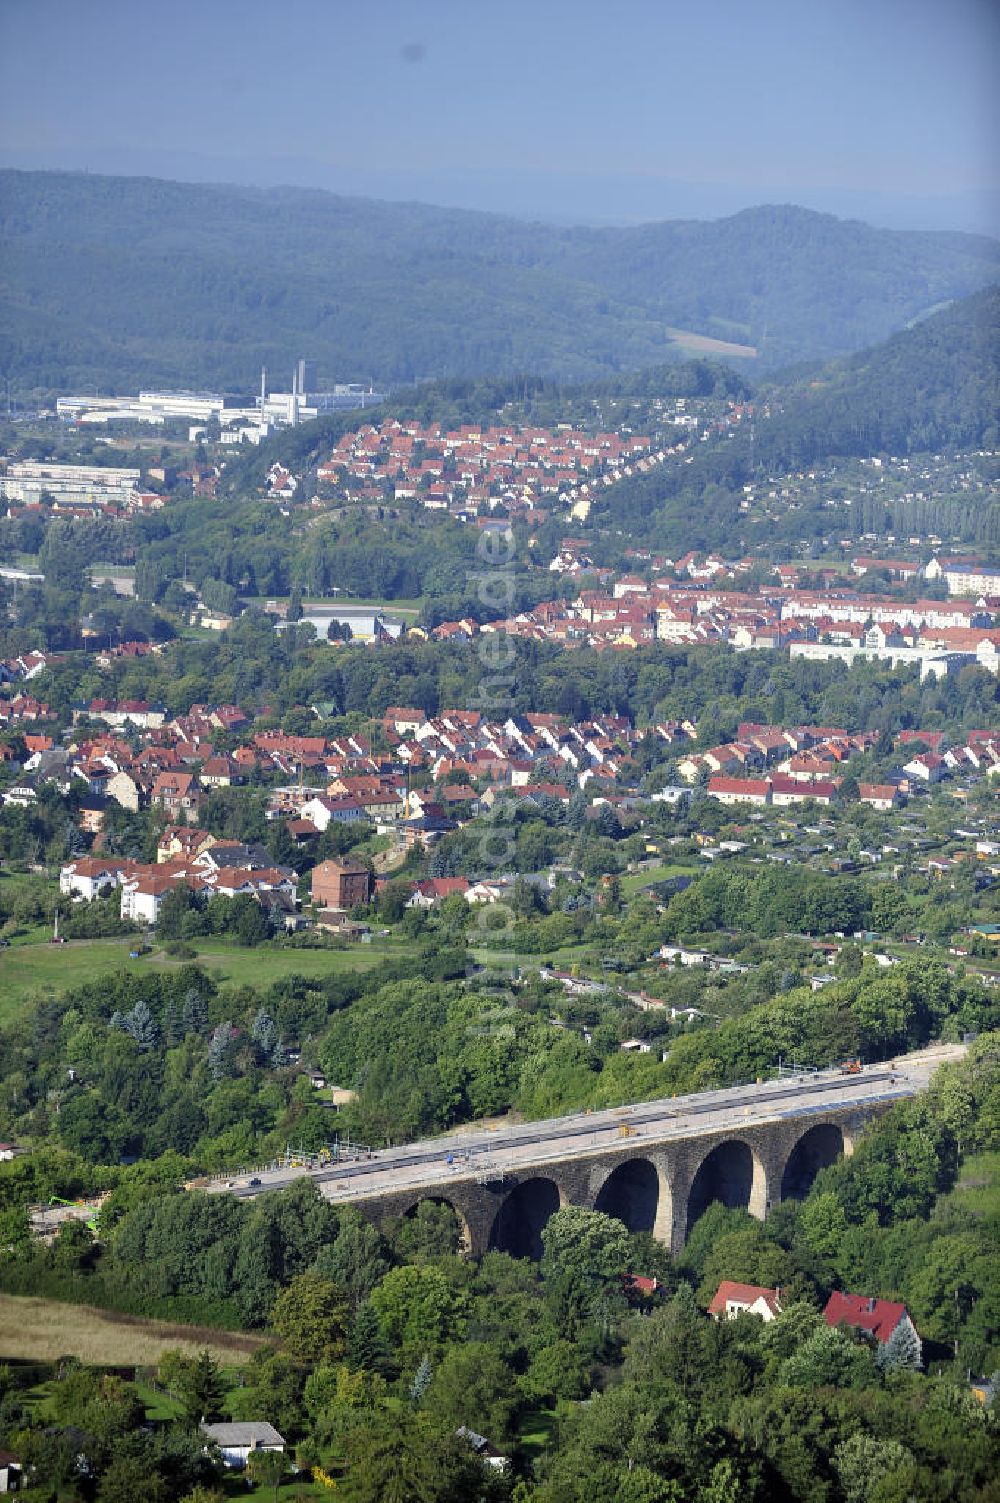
<point>241,418</point>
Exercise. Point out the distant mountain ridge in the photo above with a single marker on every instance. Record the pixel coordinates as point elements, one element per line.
<point>122,282</point>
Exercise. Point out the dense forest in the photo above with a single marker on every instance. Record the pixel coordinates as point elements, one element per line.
<point>255,664</point>
<point>123,282</point>
<point>932,387</point>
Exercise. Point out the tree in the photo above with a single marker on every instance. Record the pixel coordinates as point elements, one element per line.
<point>417,1308</point>
<point>557,1371</point>
<point>355,1261</point>
<point>94,1128</point>
<point>411,1462</point>
<point>421,1380</point>
<point>177,905</point>
<point>275,1381</point>
<point>265,1038</point>
<point>366,1347</point>
<point>392,901</point>
<point>748,1255</point>
<point>473,1386</point>
<point>431,1231</point>
<point>902,1350</point>
<point>586,1244</point>
<point>823,1223</point>
<point>200,1387</point>
<point>311,1317</point>
<point>16,1240</point>
<point>142,1026</point>
<point>247,921</point>
<point>73,1247</point>
<point>266,1469</point>
<point>862,1462</point>
<point>195,1012</point>
<point>829,1359</point>
<point>220,1052</point>
<point>126,1478</point>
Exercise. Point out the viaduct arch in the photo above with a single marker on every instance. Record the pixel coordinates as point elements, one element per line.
<point>662,1189</point>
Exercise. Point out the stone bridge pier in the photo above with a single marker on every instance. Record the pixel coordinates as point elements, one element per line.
<point>659,1187</point>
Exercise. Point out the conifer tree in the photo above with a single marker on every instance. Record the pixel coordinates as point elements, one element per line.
<point>195,1012</point>
<point>421,1380</point>
<point>903,1349</point>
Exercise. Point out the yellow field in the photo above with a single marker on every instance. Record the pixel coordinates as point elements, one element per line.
<point>44,1329</point>
<point>704,344</point>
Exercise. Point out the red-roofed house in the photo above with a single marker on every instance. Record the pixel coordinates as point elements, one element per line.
<point>739,790</point>
<point>935,741</point>
<point>877,1317</point>
<point>639,1289</point>
<point>881,796</point>
<point>177,794</point>
<point>432,890</point>
<point>928,767</point>
<point>732,1299</point>
<point>792,791</point>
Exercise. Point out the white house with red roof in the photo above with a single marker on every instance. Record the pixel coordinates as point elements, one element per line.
<point>928,767</point>
<point>739,790</point>
<point>732,1299</point>
<point>90,876</point>
<point>881,796</point>
<point>861,1312</point>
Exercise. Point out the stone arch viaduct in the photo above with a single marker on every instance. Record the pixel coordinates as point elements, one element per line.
<point>661,1188</point>
<point>656,1165</point>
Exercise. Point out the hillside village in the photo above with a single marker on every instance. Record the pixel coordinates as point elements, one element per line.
<point>431,775</point>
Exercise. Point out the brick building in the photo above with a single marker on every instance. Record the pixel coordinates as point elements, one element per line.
<point>341,884</point>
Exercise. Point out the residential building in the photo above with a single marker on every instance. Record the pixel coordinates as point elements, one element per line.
<point>731,1299</point>
<point>143,894</point>
<point>876,1317</point>
<point>341,884</point>
<point>90,876</point>
<point>236,1441</point>
<point>881,796</point>
<point>739,790</point>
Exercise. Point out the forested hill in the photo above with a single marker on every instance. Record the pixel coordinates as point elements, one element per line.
<point>934,386</point>
<point>122,282</point>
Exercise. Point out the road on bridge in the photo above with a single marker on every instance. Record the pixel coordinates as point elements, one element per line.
<point>493,1155</point>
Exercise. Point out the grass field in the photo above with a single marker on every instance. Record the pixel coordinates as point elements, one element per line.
<point>978,1187</point>
<point>632,884</point>
<point>562,959</point>
<point>538,1430</point>
<point>703,344</point>
<point>27,969</point>
<point>45,1329</point>
<point>30,969</point>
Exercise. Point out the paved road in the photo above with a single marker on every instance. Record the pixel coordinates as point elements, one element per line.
<point>489,1155</point>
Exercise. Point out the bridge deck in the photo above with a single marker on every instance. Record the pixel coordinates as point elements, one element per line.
<point>475,1154</point>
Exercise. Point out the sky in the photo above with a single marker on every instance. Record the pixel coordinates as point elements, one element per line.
<point>563,110</point>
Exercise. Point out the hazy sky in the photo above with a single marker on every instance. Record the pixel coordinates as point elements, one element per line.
<point>562,109</point>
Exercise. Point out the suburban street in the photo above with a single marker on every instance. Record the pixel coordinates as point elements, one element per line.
<point>493,1153</point>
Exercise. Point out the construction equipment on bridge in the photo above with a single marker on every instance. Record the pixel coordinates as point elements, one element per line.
<point>625,1131</point>
<point>489,1173</point>
<point>343,1151</point>
<point>788,1067</point>
<point>851,1067</point>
